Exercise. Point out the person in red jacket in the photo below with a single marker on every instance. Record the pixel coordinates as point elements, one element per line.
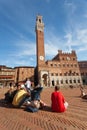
<point>58,101</point>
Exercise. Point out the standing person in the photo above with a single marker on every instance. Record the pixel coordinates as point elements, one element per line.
<point>82,91</point>
<point>58,101</point>
<point>28,85</point>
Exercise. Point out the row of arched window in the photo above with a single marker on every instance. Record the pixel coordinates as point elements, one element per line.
<point>65,81</point>
<point>84,74</point>
<point>63,65</point>
<point>65,74</point>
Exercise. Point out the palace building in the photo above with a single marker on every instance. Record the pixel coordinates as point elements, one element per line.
<point>63,69</point>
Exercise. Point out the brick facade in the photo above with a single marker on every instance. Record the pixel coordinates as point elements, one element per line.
<point>83,71</point>
<point>24,72</point>
<point>7,75</point>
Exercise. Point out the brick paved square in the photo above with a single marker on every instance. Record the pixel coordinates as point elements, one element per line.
<point>75,118</point>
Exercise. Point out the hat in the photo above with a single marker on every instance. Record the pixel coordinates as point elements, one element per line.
<point>22,86</point>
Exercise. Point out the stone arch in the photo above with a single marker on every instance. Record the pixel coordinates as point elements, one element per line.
<point>53,83</point>
<point>45,79</point>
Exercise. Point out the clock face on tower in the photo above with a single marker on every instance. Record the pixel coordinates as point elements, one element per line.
<point>41,58</point>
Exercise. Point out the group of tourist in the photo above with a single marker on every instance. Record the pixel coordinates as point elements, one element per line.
<point>29,98</point>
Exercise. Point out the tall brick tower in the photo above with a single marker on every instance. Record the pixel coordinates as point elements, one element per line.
<point>40,41</point>
<point>40,52</point>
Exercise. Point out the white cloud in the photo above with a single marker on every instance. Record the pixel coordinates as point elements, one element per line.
<point>82,35</point>
<point>74,37</point>
<point>50,49</point>
<point>52,43</point>
<point>74,40</point>
<point>85,15</point>
<point>68,42</point>
<point>70,6</point>
<point>24,48</point>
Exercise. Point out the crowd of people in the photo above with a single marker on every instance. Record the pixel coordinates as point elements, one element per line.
<point>24,95</point>
<point>29,98</point>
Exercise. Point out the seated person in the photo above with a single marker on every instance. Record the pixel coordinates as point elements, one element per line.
<point>85,96</point>
<point>58,101</point>
<point>8,95</point>
<point>35,102</point>
<point>82,92</point>
<point>20,96</point>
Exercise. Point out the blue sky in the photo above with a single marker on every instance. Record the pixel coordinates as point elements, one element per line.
<point>65,29</point>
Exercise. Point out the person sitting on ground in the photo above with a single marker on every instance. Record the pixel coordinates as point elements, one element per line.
<point>82,91</point>
<point>36,103</point>
<point>9,95</point>
<point>83,94</point>
<point>20,96</point>
<point>35,95</point>
<point>58,102</point>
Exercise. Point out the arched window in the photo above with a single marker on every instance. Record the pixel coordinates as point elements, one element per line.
<point>53,83</point>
